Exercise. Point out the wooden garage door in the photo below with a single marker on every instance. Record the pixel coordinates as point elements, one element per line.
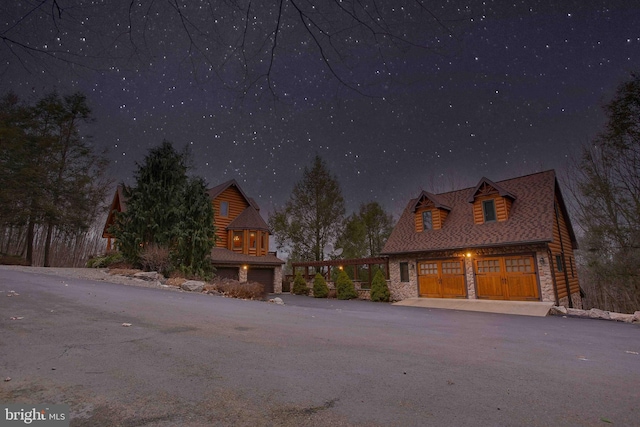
<point>441,279</point>
<point>262,275</point>
<point>507,278</point>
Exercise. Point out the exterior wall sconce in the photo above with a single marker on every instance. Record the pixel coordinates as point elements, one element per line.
<point>541,260</point>
<point>245,267</point>
<point>340,267</point>
<point>468,254</point>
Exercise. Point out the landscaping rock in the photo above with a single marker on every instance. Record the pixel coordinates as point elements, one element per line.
<point>192,286</point>
<point>577,312</point>
<point>621,317</point>
<point>636,317</point>
<point>150,276</point>
<point>277,300</point>
<point>558,310</point>
<point>596,313</point>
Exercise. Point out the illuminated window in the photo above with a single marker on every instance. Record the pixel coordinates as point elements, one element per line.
<point>252,240</point>
<point>237,239</point>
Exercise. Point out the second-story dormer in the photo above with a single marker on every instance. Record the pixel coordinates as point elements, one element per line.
<point>490,202</point>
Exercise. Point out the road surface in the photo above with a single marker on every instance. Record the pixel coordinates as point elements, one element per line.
<point>195,360</point>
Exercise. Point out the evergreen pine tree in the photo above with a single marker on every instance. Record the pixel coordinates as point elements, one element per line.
<point>167,209</point>
<point>300,285</point>
<point>379,288</point>
<point>344,287</point>
<point>320,288</point>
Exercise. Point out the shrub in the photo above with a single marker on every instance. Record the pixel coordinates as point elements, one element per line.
<point>155,258</point>
<point>249,290</point>
<point>300,285</point>
<point>12,260</point>
<point>379,288</point>
<point>344,287</point>
<point>105,261</point>
<point>320,288</point>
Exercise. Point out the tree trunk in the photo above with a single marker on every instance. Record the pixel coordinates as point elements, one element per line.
<point>47,244</point>
<point>29,242</point>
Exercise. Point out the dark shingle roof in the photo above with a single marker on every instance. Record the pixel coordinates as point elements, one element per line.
<point>437,201</point>
<point>225,256</point>
<point>530,221</point>
<point>249,219</point>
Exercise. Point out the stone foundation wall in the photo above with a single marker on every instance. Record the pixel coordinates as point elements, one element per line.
<point>545,277</point>
<point>575,298</point>
<point>277,280</point>
<point>242,275</point>
<point>402,290</point>
<point>470,277</point>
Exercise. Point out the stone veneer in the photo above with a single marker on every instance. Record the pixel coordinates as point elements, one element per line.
<point>575,298</point>
<point>403,290</point>
<point>242,275</point>
<point>277,280</point>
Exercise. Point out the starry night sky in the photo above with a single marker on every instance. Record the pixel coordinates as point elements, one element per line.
<point>500,89</point>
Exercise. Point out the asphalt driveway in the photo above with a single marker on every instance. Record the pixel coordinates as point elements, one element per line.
<point>196,360</point>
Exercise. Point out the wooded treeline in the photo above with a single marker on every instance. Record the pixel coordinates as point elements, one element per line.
<point>606,189</point>
<point>52,181</point>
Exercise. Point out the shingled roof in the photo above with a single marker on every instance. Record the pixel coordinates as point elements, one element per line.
<point>249,219</point>
<point>221,256</point>
<point>531,219</point>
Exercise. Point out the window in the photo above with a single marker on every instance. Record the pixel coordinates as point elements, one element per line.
<point>559,263</point>
<point>454,267</point>
<point>428,268</point>
<point>489,210</point>
<point>252,240</point>
<point>426,220</point>
<point>488,266</point>
<point>404,271</point>
<point>224,209</point>
<point>518,265</point>
<point>237,240</point>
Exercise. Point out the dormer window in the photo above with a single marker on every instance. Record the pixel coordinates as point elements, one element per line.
<point>489,210</point>
<point>427,222</point>
<point>430,212</point>
<point>491,202</point>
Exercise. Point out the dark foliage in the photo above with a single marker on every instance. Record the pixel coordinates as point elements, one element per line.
<point>300,285</point>
<point>379,289</point>
<point>344,287</point>
<point>320,288</point>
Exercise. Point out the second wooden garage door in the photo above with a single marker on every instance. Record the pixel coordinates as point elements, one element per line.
<point>441,279</point>
<point>507,278</point>
<point>262,275</point>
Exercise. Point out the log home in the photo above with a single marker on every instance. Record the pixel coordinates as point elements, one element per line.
<point>506,240</point>
<point>242,244</point>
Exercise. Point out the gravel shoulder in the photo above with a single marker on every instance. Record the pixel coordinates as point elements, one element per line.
<point>99,274</point>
